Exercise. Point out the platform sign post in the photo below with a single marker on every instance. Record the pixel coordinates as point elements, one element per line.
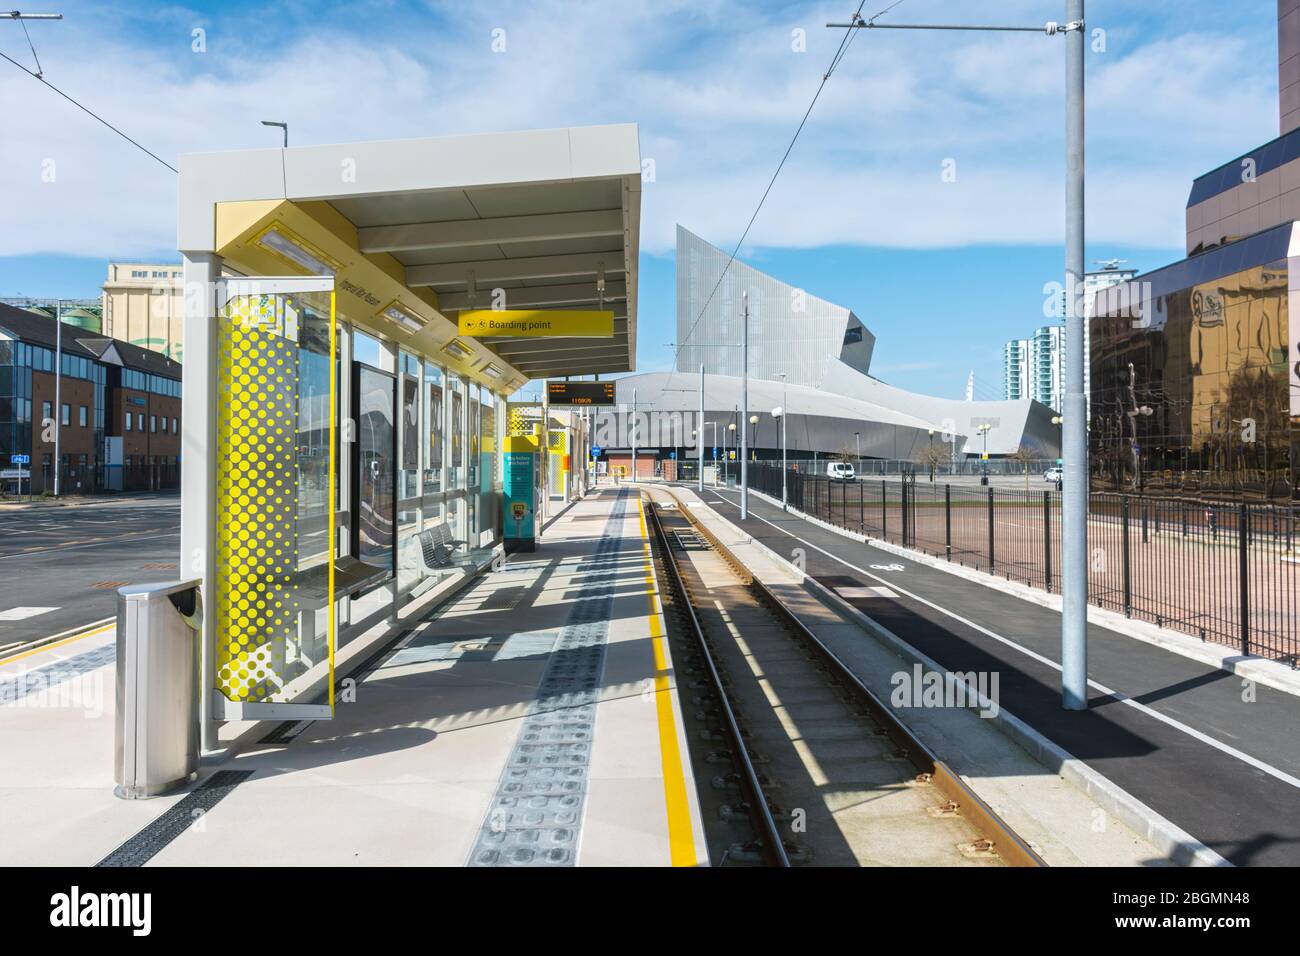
<point>519,494</point>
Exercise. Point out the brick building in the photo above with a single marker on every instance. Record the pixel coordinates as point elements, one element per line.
<point>117,410</point>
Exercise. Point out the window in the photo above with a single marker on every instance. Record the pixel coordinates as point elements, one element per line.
<point>175,430</point>
<point>47,412</point>
<point>433,418</point>
<point>139,421</point>
<point>66,414</point>
<point>128,421</point>
<point>164,424</point>
<point>82,414</point>
<point>153,423</point>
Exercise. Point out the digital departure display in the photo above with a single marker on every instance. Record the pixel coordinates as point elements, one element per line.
<point>580,393</point>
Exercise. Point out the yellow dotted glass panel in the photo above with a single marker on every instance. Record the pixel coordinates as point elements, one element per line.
<point>273,544</point>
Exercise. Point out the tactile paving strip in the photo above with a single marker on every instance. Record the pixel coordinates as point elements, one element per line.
<point>187,813</point>
<point>47,679</point>
<point>535,818</point>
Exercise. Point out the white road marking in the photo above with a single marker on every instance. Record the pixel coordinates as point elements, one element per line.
<point>1122,698</point>
<point>868,592</point>
<point>23,613</point>
<point>148,536</point>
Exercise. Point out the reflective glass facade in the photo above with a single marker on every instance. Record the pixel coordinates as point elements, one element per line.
<point>18,361</point>
<point>1190,369</point>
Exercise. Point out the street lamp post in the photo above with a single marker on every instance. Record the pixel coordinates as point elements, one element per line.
<point>701,429</point>
<point>726,475</point>
<point>785,410</point>
<point>724,458</point>
<point>715,451</point>
<point>984,459</point>
<point>1058,420</point>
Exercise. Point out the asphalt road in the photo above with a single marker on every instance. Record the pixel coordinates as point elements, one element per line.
<point>1217,758</point>
<point>72,560</point>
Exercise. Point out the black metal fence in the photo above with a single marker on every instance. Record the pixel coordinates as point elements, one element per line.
<point>1227,573</point>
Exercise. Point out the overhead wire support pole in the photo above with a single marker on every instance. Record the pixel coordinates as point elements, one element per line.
<point>1074,439</point>
<point>699,436</point>
<point>744,414</point>
<point>58,389</point>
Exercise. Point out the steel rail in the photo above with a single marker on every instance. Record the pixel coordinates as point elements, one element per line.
<point>760,811</point>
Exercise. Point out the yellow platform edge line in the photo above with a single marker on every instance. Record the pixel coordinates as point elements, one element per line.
<point>67,640</point>
<point>681,832</point>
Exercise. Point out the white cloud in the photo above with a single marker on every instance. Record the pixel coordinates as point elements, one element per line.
<point>714,86</point>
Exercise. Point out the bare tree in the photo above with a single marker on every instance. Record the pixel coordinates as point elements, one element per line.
<point>1025,457</point>
<point>931,456</point>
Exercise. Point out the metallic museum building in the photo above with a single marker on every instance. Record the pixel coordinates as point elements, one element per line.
<point>811,357</point>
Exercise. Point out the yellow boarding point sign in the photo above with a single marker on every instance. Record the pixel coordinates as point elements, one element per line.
<point>538,323</point>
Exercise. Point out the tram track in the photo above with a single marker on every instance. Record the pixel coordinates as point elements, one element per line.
<point>823,771</point>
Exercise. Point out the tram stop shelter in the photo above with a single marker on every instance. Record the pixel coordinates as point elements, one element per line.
<point>341,439</point>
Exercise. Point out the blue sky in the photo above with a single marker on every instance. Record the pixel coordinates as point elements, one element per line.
<point>942,272</point>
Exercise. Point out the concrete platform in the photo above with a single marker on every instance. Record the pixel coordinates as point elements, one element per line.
<point>533,721</point>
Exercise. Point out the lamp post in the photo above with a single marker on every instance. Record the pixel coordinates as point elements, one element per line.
<point>1058,420</point>
<point>701,429</point>
<point>715,452</point>
<point>929,456</point>
<point>1145,411</point>
<point>984,459</point>
<point>784,411</point>
<point>726,475</point>
<point>753,448</point>
<point>284,127</point>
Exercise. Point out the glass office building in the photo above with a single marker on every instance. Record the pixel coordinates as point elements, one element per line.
<point>1194,378</point>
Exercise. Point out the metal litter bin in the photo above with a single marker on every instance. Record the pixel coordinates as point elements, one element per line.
<point>157,688</point>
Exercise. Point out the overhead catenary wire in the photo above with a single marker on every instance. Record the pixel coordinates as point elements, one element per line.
<point>88,111</point>
<point>32,47</point>
<point>846,41</point>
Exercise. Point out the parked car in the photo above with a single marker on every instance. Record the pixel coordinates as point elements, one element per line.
<point>1054,474</point>
<point>841,471</point>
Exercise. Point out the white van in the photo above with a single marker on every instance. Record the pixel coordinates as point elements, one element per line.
<point>841,471</point>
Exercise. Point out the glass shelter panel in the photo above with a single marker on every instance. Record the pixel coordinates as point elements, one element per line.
<point>273,590</point>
